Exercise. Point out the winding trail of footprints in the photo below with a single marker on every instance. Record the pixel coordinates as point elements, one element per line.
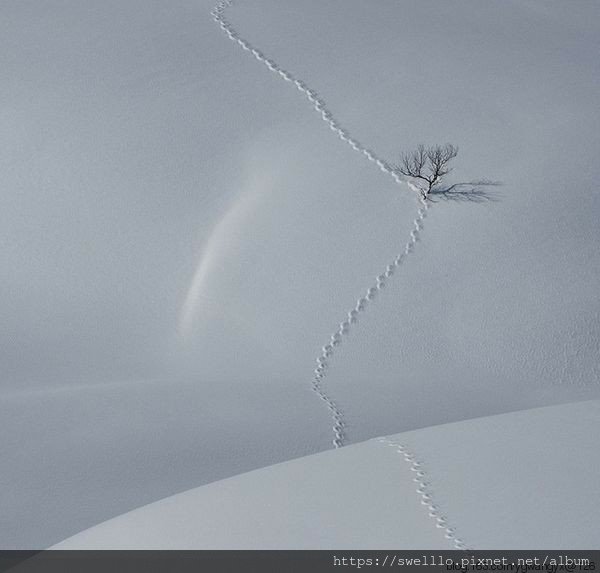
<point>423,489</point>
<point>328,350</point>
<point>323,361</point>
<point>425,493</point>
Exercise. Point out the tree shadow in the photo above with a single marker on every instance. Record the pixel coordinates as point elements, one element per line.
<point>468,191</point>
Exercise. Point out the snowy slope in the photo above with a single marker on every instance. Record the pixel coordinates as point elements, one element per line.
<point>182,232</point>
<point>481,476</point>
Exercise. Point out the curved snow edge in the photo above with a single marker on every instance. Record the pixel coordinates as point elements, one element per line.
<point>382,504</point>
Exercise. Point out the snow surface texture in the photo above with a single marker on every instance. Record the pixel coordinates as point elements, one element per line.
<point>476,475</point>
<point>152,173</point>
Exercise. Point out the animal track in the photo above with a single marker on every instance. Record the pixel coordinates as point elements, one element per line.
<point>318,104</point>
<point>423,490</point>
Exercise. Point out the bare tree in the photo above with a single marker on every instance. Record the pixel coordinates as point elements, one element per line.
<point>428,164</point>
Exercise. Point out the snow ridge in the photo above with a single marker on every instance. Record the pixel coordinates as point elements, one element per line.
<point>319,106</point>
<point>424,492</point>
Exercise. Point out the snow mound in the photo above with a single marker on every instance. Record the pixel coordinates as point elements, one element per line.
<point>519,480</point>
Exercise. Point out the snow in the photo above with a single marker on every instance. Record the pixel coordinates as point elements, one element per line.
<point>183,232</point>
<point>511,481</point>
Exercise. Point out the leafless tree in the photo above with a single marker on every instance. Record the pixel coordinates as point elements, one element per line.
<point>428,164</point>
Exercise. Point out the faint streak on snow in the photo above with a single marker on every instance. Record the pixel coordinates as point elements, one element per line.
<point>219,241</point>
